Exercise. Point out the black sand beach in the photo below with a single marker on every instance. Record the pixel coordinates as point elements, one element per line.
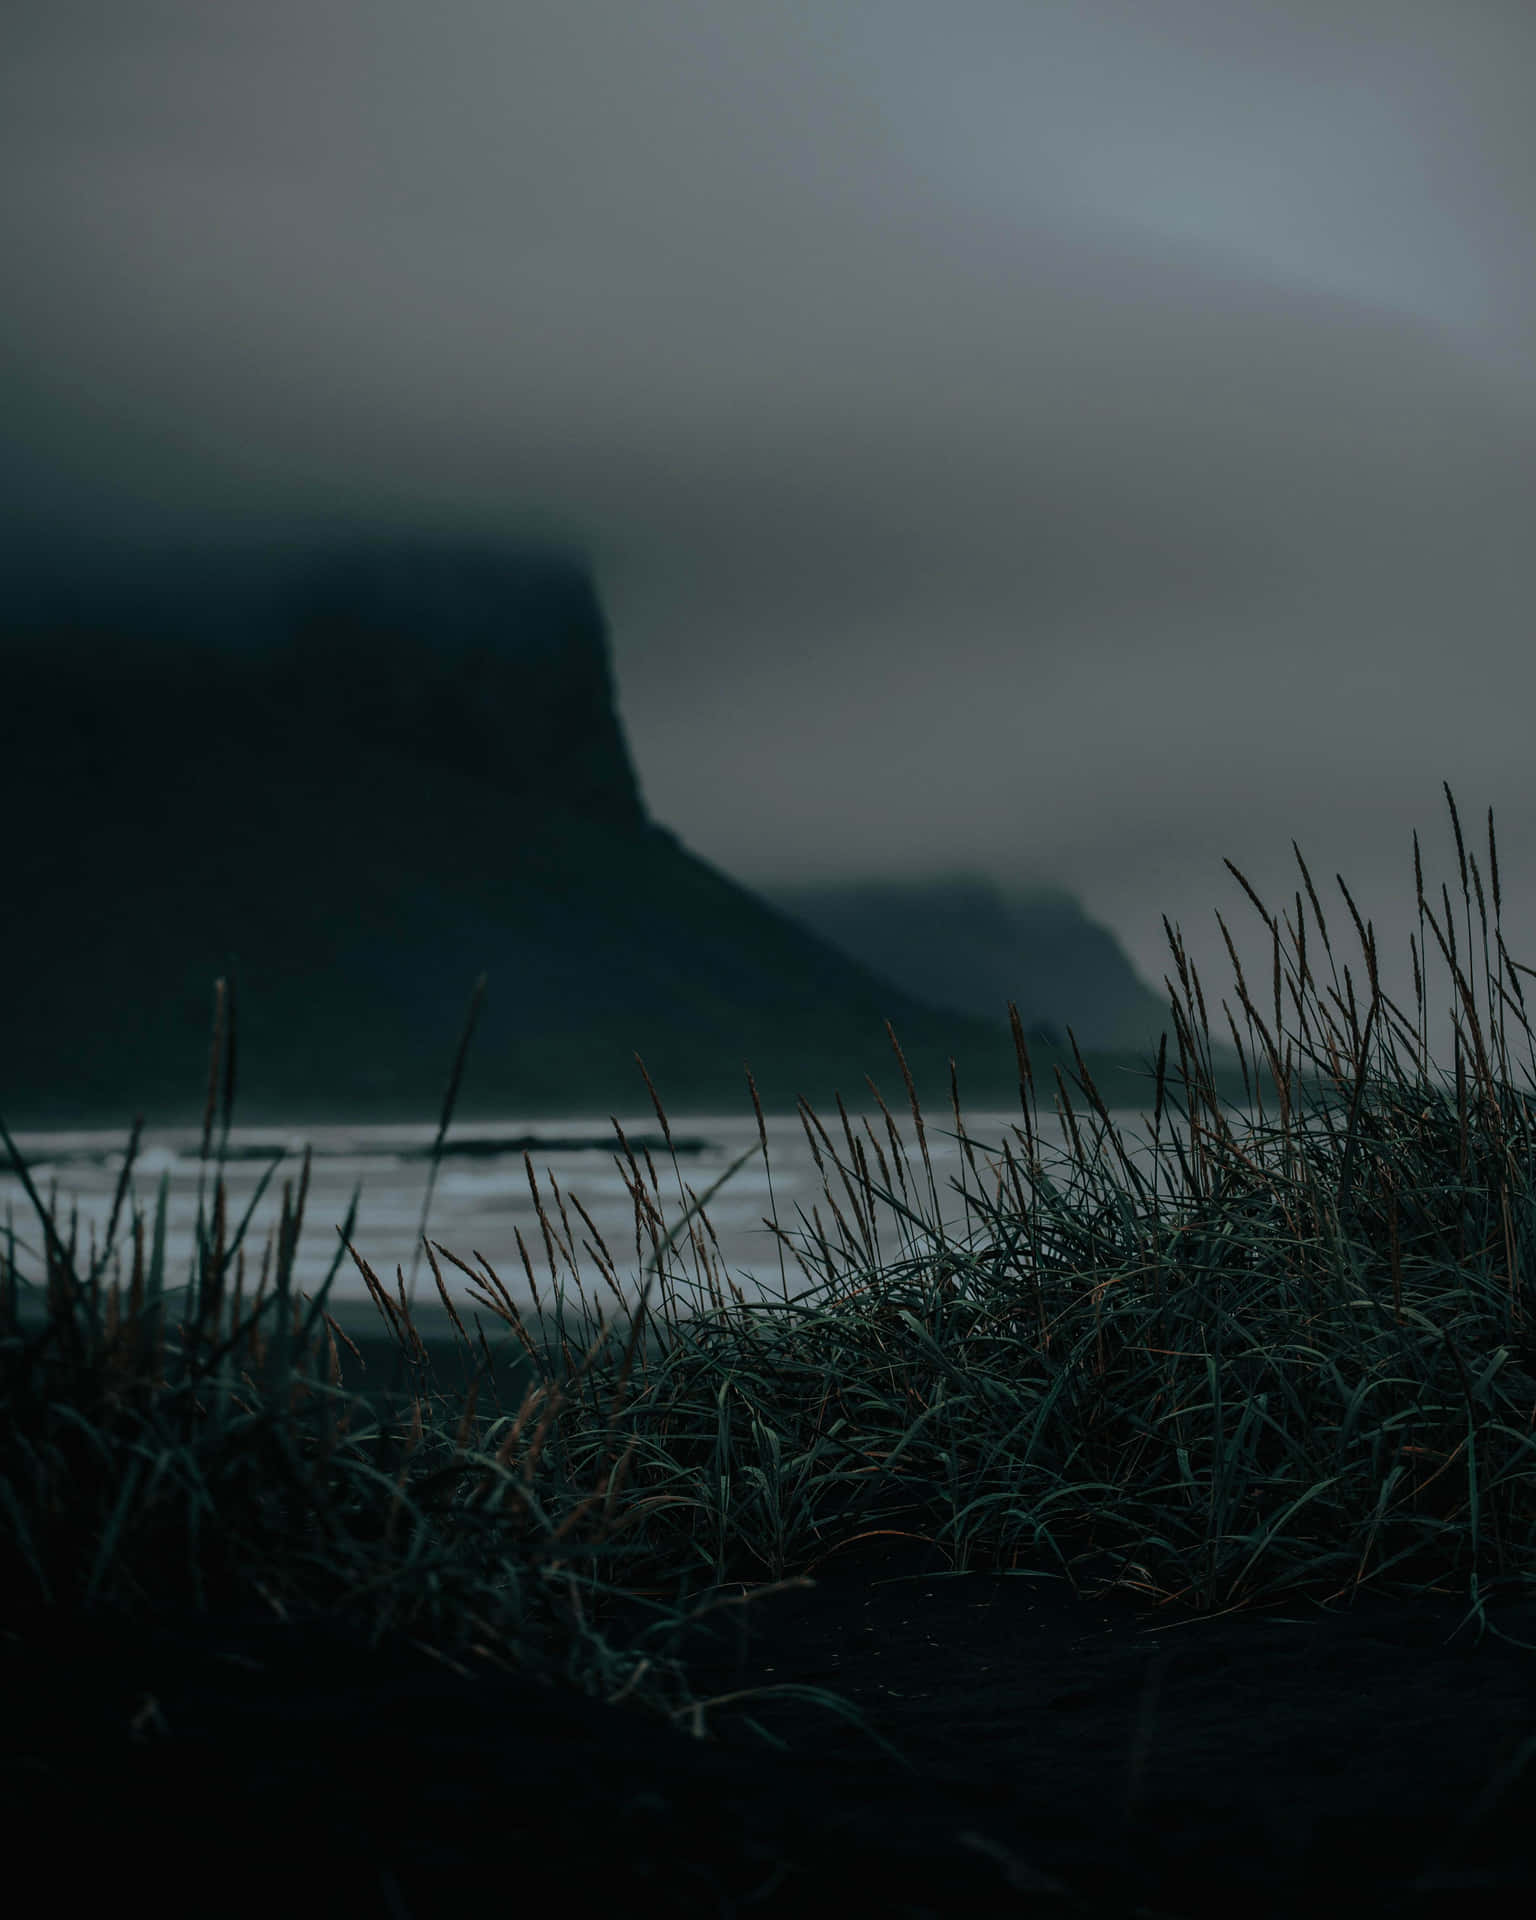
<point>1066,1756</point>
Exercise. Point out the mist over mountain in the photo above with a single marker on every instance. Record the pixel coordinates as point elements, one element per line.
<point>964,944</point>
<point>353,778</point>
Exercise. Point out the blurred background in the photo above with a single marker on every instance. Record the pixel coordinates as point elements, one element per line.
<point>932,484</point>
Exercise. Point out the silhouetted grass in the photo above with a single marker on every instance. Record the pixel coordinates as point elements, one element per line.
<point>1297,1359</point>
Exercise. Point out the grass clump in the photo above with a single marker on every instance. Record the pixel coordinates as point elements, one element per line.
<point>1296,1361</point>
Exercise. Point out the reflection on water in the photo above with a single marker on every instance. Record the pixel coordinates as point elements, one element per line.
<point>483,1197</point>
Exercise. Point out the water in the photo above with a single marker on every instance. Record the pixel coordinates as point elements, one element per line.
<point>482,1199</point>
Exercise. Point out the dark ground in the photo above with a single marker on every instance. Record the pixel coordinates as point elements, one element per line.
<point>1294,1762</point>
<point>1309,1766</point>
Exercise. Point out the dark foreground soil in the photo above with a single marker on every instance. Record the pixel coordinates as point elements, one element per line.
<point>1362,1761</point>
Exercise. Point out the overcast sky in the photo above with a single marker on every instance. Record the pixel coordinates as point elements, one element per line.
<point>1069,442</point>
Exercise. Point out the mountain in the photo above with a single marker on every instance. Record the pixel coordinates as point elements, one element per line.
<point>961,944</point>
<point>353,777</point>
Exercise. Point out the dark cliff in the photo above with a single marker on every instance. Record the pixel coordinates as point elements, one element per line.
<point>356,780</point>
<point>491,663</point>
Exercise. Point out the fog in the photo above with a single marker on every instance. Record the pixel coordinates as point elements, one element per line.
<point>1075,444</point>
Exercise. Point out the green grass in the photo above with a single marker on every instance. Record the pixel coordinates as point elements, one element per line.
<point>1295,1360</point>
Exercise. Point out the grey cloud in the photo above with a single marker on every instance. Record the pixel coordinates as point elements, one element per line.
<point>1077,442</point>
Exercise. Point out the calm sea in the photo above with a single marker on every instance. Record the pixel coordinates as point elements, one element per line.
<point>482,1198</point>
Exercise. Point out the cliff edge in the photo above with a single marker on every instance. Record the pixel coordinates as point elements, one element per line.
<point>352,780</point>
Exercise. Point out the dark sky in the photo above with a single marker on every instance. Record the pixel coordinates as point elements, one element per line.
<point>1068,442</point>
